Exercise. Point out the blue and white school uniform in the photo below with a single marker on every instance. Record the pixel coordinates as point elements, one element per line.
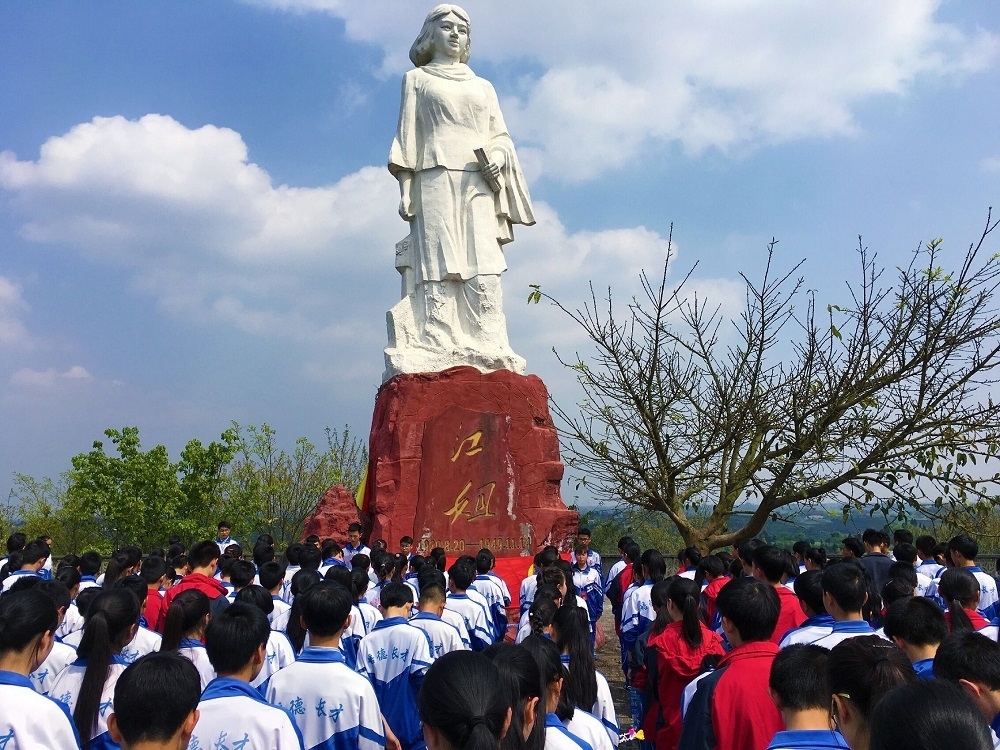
<point>924,668</point>
<point>225,544</point>
<point>589,728</point>
<point>458,622</point>
<point>989,600</point>
<point>144,642</point>
<point>194,651</point>
<point>330,562</point>
<point>279,653</point>
<point>808,739</point>
<point>617,568</point>
<point>371,615</point>
<point>637,615</point>
<point>286,586</point>
<point>333,706</point>
<point>66,689</point>
<point>593,561</point>
<point>604,707</point>
<point>842,631</point>
<point>931,569</point>
<point>486,587</point>
<point>558,737</point>
<point>60,657</point>
<point>502,584</point>
<point>235,715</point>
<point>16,576</point>
<point>31,720</point>
<point>810,631</point>
<point>350,551</point>
<point>588,584</point>
<point>279,615</point>
<point>476,617</point>
<point>444,638</point>
<point>527,593</point>
<point>71,622</point>
<point>924,584</point>
<point>395,657</point>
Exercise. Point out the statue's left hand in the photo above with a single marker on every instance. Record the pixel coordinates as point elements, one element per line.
<point>491,170</point>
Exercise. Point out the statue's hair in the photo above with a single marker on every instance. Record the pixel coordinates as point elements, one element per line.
<point>422,50</point>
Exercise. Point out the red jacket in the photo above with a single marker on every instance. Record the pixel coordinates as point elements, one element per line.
<point>152,611</point>
<point>710,594</point>
<point>208,586</point>
<point>677,663</point>
<point>790,616</point>
<point>731,709</point>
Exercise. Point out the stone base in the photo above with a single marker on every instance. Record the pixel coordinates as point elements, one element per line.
<point>462,459</point>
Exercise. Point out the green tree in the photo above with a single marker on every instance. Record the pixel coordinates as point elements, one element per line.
<point>43,507</point>
<point>879,403</point>
<point>273,491</point>
<point>141,497</point>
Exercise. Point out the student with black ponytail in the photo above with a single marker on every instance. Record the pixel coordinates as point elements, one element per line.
<point>88,684</point>
<point>587,688</point>
<point>960,591</point>
<point>28,620</point>
<point>462,704</point>
<point>677,646</point>
<point>184,630</point>
<point>520,677</point>
<point>553,674</point>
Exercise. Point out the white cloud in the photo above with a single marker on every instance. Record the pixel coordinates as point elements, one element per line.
<point>28,378</point>
<point>990,164</point>
<point>728,76</point>
<point>12,306</point>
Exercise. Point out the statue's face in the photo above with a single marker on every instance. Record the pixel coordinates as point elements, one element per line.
<point>451,37</point>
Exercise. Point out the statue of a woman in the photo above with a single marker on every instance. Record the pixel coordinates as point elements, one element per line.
<point>460,208</point>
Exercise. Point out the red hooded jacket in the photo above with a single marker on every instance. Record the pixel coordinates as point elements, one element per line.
<point>205,584</point>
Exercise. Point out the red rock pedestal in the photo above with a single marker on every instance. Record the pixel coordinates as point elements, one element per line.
<point>336,511</point>
<point>463,460</point>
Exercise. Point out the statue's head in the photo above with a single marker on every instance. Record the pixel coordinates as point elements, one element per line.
<point>422,51</point>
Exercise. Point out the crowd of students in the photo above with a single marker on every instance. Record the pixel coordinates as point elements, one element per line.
<point>356,647</point>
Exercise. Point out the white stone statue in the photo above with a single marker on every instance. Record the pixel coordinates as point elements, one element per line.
<point>460,207</point>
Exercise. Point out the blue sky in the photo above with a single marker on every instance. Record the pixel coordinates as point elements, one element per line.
<point>197,226</point>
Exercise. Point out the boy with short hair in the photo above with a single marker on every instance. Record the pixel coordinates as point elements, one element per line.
<point>272,578</point>
<point>32,559</point>
<point>338,706</point>
<point>730,709</point>
<point>203,561</point>
<point>395,656</point>
<point>917,626</point>
<point>469,605</point>
<point>241,575</point>
<point>845,591</point>
<point>354,544</point>
<point>224,541</point>
<point>406,546</point>
<point>800,691</point>
<point>443,636</point>
<point>587,581</point>
<point>154,574</point>
<point>770,564</point>
<point>972,661</point>
<point>963,550</point>
<point>156,703</point>
<point>90,566</point>
<point>486,586</point>
<point>231,710</point>
<point>818,623</point>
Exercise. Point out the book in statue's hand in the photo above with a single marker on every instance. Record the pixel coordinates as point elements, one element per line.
<point>484,162</point>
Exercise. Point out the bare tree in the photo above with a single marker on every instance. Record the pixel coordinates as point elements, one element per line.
<point>879,404</point>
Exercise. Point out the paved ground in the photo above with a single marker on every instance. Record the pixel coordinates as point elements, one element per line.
<point>609,664</point>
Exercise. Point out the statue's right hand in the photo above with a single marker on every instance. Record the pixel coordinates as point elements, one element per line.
<point>405,210</point>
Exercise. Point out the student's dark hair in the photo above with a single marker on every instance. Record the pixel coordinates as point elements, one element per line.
<point>752,606</point>
<point>69,576</point>
<point>33,552</point>
<point>233,636</point>
<point>234,551</point>
<point>330,549</point>
<point>571,627</point>
<point>417,563</point>
<point>154,695</point>
<point>690,554</point>
<point>463,699</point>
<point>809,589</point>
<point>959,589</point>
<point>326,608</point>
<point>26,583</point>
<point>872,537</point>
<point>484,561</point>
<point>271,575</point>
<point>179,563</point>
<point>256,595</point>
<point>710,565</point>
<point>223,524</point>
<point>964,545</point>
<point>354,527</point>
<point>185,612</point>
<point>798,677</point>
<point>654,565</point>
<point>854,546</point>
<point>262,554</point>
<point>736,568</point>
<point>293,552</point>
<point>24,616</point>
<point>686,596</point>
<point>395,594</point>
<point>361,561</point>
<point>916,620</point>
<point>202,554</point>
<point>969,656</point>
<point>432,593</point>
<point>927,715</point>
<point>16,542</point>
<point>84,598</point>
<point>746,549</point>
<point>546,656</point>
<point>816,556</point>
<point>925,544</point>
<point>623,541</point>
<point>548,555</point>
<point>136,585</point>
<point>905,552</point>
<point>175,548</point>
<point>520,678</point>
<point>107,629</point>
<point>552,576</point>
<point>567,571</point>
<point>360,581</point>
<point>800,548</point>
<point>847,583</point>
<point>342,576</point>
<point>462,575</point>
<point>241,573</point>
<point>896,589</point>
<point>153,569</point>
<point>632,552</point>
<point>658,598</point>
<point>313,539</point>
<point>902,536</point>
<point>117,566</point>
<point>866,668</point>
<point>903,570</point>
<point>771,561</point>
<point>541,613</point>
<point>90,563</point>
<point>440,558</point>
